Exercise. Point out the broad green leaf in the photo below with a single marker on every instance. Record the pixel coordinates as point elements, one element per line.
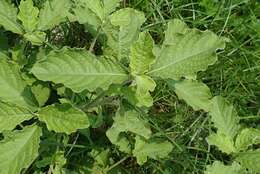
<point>53,13</point>
<point>138,93</point>
<point>116,138</point>
<point>13,87</point>
<point>129,93</point>
<point>141,57</point>
<point>128,121</point>
<point>36,38</point>
<point>59,160</point>
<point>195,94</point>
<point>84,15</point>
<point>102,8</point>
<point>12,115</point>
<point>219,168</point>
<point>63,118</point>
<point>79,70</point>
<point>152,149</point>
<point>144,85</point>
<point>96,7</point>
<point>3,55</point>
<point>8,17</point>
<point>123,31</point>
<point>175,27</point>
<point>94,13</point>
<point>100,156</point>
<point>122,18</point>
<point>19,150</point>
<point>110,6</point>
<point>247,137</point>
<point>41,92</point>
<point>250,160</point>
<point>183,53</point>
<point>223,142</point>
<point>28,14</point>
<point>224,117</point>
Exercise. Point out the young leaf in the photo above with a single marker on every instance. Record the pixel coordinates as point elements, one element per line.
<point>144,85</point>
<point>12,115</point>
<point>223,142</point>
<point>19,151</point>
<point>63,118</point>
<point>79,70</point>
<point>100,156</point>
<point>141,57</point>
<point>250,160</point>
<point>13,87</point>
<point>123,31</point>
<point>196,94</point>
<point>28,14</point>
<point>129,93</point>
<point>36,38</point>
<point>115,137</point>
<point>246,138</point>
<point>53,13</point>
<point>224,117</point>
<point>186,53</point>
<point>129,121</point>
<point>41,92</point>
<point>219,168</point>
<point>8,17</point>
<point>152,149</point>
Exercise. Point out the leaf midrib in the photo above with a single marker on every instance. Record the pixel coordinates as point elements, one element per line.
<point>18,151</point>
<point>16,90</point>
<point>179,60</point>
<point>84,74</point>
<point>15,23</point>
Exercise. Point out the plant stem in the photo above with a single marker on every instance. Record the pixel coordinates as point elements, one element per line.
<point>116,164</point>
<point>94,102</point>
<point>91,48</point>
<point>250,117</point>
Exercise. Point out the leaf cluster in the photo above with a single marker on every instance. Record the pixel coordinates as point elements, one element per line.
<point>56,95</point>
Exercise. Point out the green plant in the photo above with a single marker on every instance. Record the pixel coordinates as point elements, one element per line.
<point>91,87</point>
<point>231,138</point>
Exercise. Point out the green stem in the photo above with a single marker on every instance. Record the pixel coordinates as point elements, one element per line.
<point>116,164</point>
<point>94,102</point>
<point>91,48</point>
<point>250,117</point>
